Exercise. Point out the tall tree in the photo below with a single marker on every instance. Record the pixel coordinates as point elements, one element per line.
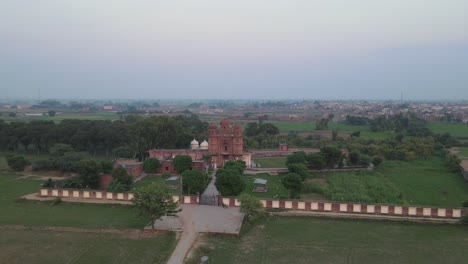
<point>154,201</point>
<point>182,163</point>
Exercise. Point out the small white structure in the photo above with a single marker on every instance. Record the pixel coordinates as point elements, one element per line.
<point>194,144</point>
<point>204,145</point>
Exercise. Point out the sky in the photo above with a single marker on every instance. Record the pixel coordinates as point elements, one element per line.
<point>243,49</point>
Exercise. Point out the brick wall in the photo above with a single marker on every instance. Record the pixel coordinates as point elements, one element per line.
<point>332,207</point>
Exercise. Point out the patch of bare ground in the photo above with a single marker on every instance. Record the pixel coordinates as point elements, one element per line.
<point>44,175</point>
<point>127,233</point>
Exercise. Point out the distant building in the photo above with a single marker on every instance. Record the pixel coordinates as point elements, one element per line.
<point>133,167</point>
<point>223,145</point>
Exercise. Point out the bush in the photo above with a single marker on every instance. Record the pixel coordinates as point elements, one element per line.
<point>151,165</point>
<point>17,162</point>
<point>73,183</point>
<point>465,203</point>
<point>292,182</point>
<point>237,165</point>
<point>464,220</point>
<point>116,186</point>
<point>49,183</point>
<point>106,166</point>
<point>229,182</point>
<point>299,169</point>
<point>298,157</point>
<point>377,160</point>
<point>251,206</point>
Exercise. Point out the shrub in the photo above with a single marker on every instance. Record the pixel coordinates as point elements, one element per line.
<point>292,182</point>
<point>229,182</point>
<point>251,206</point>
<point>42,165</point>
<point>151,165</point>
<point>465,203</point>
<point>49,183</point>
<point>17,162</point>
<point>377,160</point>
<point>299,169</point>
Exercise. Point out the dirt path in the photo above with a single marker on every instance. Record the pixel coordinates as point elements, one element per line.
<point>186,240</point>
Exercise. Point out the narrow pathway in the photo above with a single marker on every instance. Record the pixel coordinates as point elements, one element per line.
<point>186,240</point>
<point>211,188</point>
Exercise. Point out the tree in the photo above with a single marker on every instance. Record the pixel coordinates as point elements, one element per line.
<point>194,181</point>
<point>453,162</point>
<point>154,201</point>
<point>151,165</point>
<point>17,162</point>
<point>322,124</point>
<point>237,165</point>
<point>331,155</point>
<point>89,173</point>
<point>106,166</point>
<point>51,113</point>
<point>229,182</point>
<point>316,161</point>
<point>59,149</point>
<point>293,183</point>
<point>300,169</point>
<point>121,176</point>
<point>182,163</point>
<point>251,206</point>
<point>297,157</point>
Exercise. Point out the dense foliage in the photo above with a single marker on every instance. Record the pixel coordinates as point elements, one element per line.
<point>182,163</point>
<point>194,181</point>
<point>17,162</point>
<point>134,136</point>
<point>229,182</point>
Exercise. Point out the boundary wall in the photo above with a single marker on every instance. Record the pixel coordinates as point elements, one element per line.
<point>317,206</point>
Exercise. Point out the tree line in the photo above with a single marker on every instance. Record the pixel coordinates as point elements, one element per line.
<point>132,137</point>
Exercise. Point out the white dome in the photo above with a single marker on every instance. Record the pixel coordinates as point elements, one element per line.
<point>204,145</point>
<point>194,144</point>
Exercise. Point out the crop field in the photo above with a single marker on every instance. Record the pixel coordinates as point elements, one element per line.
<point>16,211</point>
<point>275,188</point>
<point>272,162</point>
<point>420,182</point>
<point>313,240</point>
<point>456,130</point>
<point>37,246</point>
<point>98,115</point>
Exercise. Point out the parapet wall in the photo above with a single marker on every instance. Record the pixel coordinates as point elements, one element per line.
<point>324,207</point>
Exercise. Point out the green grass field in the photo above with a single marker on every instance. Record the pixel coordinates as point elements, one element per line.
<point>154,179</point>
<point>15,211</point>
<point>33,246</point>
<point>312,240</point>
<point>275,188</point>
<point>98,115</point>
<point>272,162</point>
<point>420,182</point>
<point>456,130</point>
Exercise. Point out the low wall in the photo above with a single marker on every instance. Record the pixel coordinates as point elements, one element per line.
<point>85,194</point>
<point>331,207</point>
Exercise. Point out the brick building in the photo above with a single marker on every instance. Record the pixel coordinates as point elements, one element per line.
<point>223,144</point>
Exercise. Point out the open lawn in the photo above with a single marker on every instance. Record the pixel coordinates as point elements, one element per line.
<point>275,188</point>
<point>34,246</point>
<point>272,162</point>
<point>15,211</point>
<point>420,182</point>
<point>151,179</point>
<point>456,130</point>
<point>312,240</point>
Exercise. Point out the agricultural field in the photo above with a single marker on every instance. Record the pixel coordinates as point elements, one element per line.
<point>17,211</point>
<point>313,240</point>
<point>456,130</point>
<point>420,182</point>
<point>37,246</point>
<point>275,188</point>
<point>98,115</point>
<point>272,162</point>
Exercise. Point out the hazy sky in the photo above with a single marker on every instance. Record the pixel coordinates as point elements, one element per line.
<point>269,49</point>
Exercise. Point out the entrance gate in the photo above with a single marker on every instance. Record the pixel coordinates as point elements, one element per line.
<point>209,200</point>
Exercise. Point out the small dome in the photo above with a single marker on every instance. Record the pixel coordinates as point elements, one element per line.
<point>204,145</point>
<point>194,144</point>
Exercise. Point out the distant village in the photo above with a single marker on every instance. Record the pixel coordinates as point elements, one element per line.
<point>304,110</point>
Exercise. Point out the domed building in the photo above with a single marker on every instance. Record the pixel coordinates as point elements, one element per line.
<point>194,144</point>
<point>222,145</point>
<point>204,145</point>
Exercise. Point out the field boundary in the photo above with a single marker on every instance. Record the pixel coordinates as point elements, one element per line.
<point>413,211</point>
